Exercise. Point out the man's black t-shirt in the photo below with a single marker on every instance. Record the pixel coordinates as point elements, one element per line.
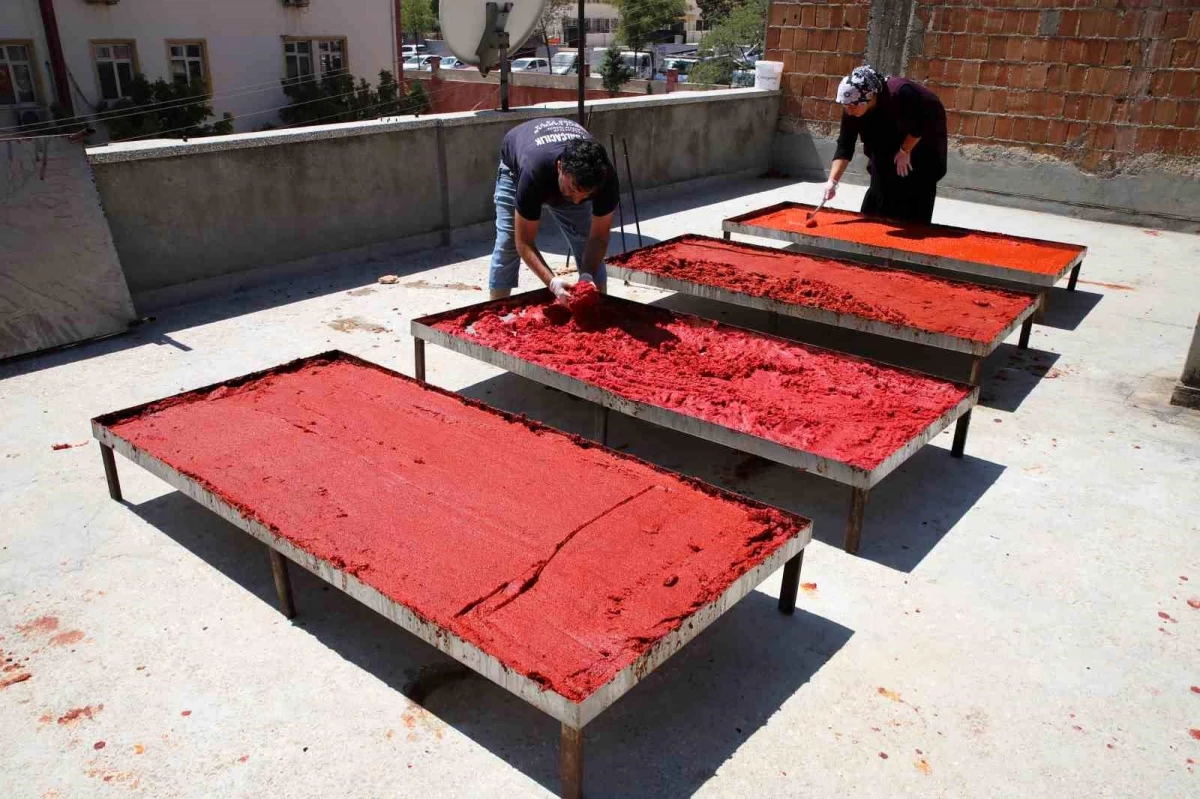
<point>531,150</point>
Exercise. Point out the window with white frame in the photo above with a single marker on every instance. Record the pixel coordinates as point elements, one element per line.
<point>115,69</point>
<point>317,56</point>
<point>187,62</point>
<point>16,74</point>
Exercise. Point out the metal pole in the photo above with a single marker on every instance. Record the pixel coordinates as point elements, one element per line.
<point>579,67</point>
<point>399,49</point>
<point>58,64</point>
<point>612,145</point>
<point>503,78</point>
<point>632,194</point>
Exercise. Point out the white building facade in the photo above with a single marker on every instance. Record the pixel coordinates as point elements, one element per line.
<point>600,22</point>
<point>242,49</point>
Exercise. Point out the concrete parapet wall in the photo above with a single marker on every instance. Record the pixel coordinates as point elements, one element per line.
<point>183,212</point>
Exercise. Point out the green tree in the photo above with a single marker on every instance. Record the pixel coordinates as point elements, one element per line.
<point>552,14</point>
<point>339,98</point>
<point>641,19</point>
<point>731,42</point>
<point>418,18</point>
<point>613,71</point>
<point>713,11</point>
<point>173,110</point>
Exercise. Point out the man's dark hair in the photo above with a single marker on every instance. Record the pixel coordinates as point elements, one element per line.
<point>586,162</point>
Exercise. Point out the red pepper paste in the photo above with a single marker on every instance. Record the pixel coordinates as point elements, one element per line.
<point>547,552</point>
<point>993,249</point>
<point>893,296</point>
<point>839,406</point>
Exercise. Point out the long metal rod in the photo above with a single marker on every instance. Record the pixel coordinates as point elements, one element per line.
<point>612,146</point>
<point>579,65</point>
<point>503,78</point>
<point>632,194</point>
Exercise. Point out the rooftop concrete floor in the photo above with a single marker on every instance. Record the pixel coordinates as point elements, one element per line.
<point>1018,623</point>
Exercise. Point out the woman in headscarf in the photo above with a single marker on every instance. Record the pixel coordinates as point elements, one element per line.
<point>902,125</point>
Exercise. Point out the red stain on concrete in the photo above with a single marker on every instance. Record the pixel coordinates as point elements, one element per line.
<point>68,638</point>
<point>809,588</point>
<point>77,713</point>
<point>1194,603</point>
<point>892,695</point>
<point>185,713</point>
<point>99,745</point>
<point>243,758</point>
<point>1162,614</point>
<point>1196,689</point>
<point>995,249</point>
<point>13,680</point>
<point>892,296</point>
<point>42,625</point>
<point>1195,734</point>
<point>511,586</point>
<point>883,755</point>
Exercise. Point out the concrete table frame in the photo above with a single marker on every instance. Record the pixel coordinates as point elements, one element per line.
<point>829,247</point>
<point>860,480</point>
<point>915,335</point>
<point>573,716</point>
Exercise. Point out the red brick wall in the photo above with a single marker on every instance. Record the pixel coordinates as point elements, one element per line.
<point>1094,82</point>
<point>818,43</point>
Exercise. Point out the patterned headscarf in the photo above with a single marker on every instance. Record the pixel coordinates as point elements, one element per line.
<point>860,86</point>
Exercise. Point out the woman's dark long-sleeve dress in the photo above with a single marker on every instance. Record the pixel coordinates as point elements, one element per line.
<point>903,108</point>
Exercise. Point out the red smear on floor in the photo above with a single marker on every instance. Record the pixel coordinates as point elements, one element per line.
<point>564,587</point>
<point>1194,602</point>
<point>1195,734</point>
<point>1196,689</point>
<point>995,249</point>
<point>42,624</point>
<point>67,638</point>
<point>1113,286</point>
<point>99,745</point>
<point>13,680</point>
<point>892,296</point>
<point>809,588</point>
<point>1167,617</point>
<point>837,406</point>
<point>185,713</point>
<point>74,714</point>
<point>883,755</point>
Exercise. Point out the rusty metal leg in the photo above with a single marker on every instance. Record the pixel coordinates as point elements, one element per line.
<point>854,524</point>
<point>727,235</point>
<point>1074,277</point>
<point>1026,329</point>
<point>419,359</point>
<point>602,424</point>
<point>110,472</point>
<point>791,584</point>
<point>283,583</point>
<point>960,435</point>
<point>570,762</point>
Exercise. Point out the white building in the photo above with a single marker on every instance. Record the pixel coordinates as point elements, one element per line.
<point>243,49</point>
<point>600,20</point>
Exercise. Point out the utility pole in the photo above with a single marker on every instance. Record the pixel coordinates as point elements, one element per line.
<point>580,63</point>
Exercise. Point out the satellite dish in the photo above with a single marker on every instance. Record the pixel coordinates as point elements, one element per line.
<point>465,27</point>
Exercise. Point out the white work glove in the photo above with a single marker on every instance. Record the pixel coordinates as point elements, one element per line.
<point>560,288</point>
<point>903,163</point>
<point>830,189</point>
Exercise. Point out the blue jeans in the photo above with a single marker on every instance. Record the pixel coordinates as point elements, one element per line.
<point>573,221</point>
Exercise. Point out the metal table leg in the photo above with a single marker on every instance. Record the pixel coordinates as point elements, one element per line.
<point>976,368</point>
<point>570,761</point>
<point>854,524</point>
<point>791,583</point>
<point>283,583</point>
<point>960,435</point>
<point>110,472</point>
<point>1074,277</point>
<point>1026,329</point>
<point>419,359</point>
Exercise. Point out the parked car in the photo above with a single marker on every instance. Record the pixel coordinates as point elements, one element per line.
<point>418,62</point>
<point>564,63</point>
<point>683,65</point>
<point>410,50</point>
<point>450,62</point>
<point>531,65</point>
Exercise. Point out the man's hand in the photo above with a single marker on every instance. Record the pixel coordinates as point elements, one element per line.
<point>561,289</point>
<point>903,162</point>
<point>830,190</point>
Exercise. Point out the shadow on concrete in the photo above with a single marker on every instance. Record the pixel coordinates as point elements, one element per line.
<point>1008,376</point>
<point>1069,308</point>
<point>907,514</point>
<point>158,328</point>
<point>666,737</point>
<point>1011,374</point>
